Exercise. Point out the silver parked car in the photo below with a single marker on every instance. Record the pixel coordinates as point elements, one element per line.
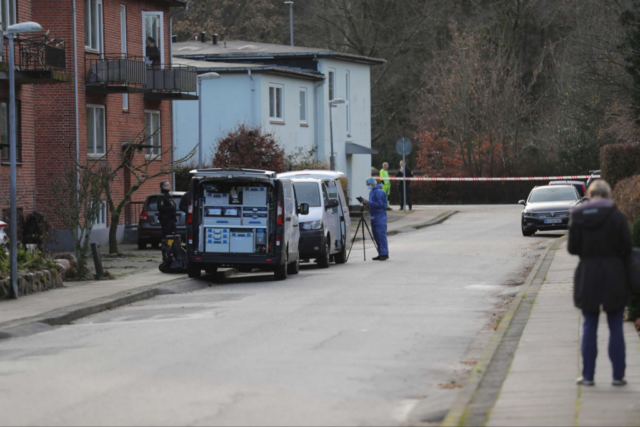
<point>149,229</point>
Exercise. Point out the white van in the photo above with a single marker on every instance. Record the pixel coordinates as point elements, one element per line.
<point>326,230</point>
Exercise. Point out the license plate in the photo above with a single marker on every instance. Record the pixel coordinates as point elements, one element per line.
<point>553,221</point>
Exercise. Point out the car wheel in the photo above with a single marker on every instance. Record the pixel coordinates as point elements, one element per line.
<point>341,257</point>
<point>294,267</point>
<point>527,233</point>
<point>325,256</point>
<point>142,245</point>
<point>194,270</point>
<point>282,270</point>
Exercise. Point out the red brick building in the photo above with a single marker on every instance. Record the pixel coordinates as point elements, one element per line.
<point>125,85</point>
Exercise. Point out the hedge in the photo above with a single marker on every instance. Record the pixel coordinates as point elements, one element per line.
<point>627,196</point>
<point>619,161</point>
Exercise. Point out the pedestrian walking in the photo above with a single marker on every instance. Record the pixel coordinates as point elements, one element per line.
<point>599,234</point>
<point>402,172</point>
<point>167,210</point>
<point>377,208</point>
<point>386,182</point>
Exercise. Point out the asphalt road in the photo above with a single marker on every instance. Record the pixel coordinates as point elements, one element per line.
<point>365,343</point>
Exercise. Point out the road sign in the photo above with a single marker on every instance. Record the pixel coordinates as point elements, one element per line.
<point>403,146</point>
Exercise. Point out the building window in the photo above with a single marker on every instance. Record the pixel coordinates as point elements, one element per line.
<point>348,105</point>
<point>153,38</point>
<point>276,102</point>
<point>96,129</point>
<point>332,84</point>
<point>303,105</point>
<point>5,129</point>
<point>8,13</point>
<point>101,217</point>
<point>152,132</point>
<point>93,25</point>
<point>123,48</point>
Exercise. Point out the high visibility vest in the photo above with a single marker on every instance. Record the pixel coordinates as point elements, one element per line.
<point>386,183</point>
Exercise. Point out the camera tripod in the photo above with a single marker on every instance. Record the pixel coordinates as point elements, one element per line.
<point>362,223</point>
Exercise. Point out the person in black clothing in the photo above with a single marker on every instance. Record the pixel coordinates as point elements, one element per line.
<point>167,210</point>
<point>400,174</point>
<point>599,234</point>
<point>152,53</point>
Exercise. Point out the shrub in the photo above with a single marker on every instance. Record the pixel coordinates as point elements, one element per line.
<point>627,196</point>
<point>249,147</point>
<point>27,261</point>
<point>301,159</point>
<point>619,161</point>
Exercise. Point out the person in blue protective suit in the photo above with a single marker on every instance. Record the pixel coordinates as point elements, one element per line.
<point>377,205</point>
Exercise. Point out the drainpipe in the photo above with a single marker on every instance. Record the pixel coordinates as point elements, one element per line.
<point>173,129</point>
<point>319,112</point>
<point>75,90</point>
<point>253,95</point>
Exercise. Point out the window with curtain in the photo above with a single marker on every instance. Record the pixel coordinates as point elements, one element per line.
<point>5,129</point>
<point>276,102</point>
<point>152,132</point>
<point>93,25</point>
<point>96,130</point>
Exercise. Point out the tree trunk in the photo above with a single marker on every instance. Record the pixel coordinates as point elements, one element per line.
<point>113,230</point>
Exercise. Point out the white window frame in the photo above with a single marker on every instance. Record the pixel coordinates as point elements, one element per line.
<point>11,6</point>
<point>304,121</point>
<point>101,219</point>
<point>273,104</point>
<point>159,42</point>
<point>156,152</point>
<point>331,84</point>
<point>123,48</point>
<point>94,153</point>
<point>99,21</point>
<point>348,99</point>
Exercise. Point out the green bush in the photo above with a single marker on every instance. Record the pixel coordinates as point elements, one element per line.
<point>627,196</point>
<point>27,262</point>
<point>619,161</point>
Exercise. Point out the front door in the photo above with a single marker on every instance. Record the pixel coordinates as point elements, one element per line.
<point>153,38</point>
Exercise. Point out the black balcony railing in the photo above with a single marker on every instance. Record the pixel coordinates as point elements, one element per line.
<point>37,53</point>
<point>116,70</point>
<point>172,79</point>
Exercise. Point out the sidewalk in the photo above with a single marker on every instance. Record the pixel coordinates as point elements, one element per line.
<point>540,385</point>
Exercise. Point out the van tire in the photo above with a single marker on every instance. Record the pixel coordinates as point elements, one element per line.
<point>325,255</point>
<point>281,271</point>
<point>294,267</point>
<point>341,257</point>
<point>193,270</point>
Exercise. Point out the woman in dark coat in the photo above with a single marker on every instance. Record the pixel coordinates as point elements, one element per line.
<point>599,234</point>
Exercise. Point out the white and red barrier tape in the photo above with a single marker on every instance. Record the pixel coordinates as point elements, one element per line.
<point>522,178</point>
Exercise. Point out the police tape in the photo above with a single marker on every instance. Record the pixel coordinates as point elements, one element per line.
<point>482,179</point>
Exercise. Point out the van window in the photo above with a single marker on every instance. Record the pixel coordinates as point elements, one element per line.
<point>307,192</point>
<point>152,202</point>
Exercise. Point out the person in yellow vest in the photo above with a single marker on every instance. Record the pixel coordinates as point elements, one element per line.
<point>386,182</point>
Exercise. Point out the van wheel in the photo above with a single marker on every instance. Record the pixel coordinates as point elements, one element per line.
<point>325,257</point>
<point>282,270</point>
<point>341,257</point>
<point>194,270</point>
<point>142,245</point>
<point>294,267</point>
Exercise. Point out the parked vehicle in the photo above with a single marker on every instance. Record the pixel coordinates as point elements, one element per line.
<point>243,218</point>
<point>325,232</point>
<point>149,229</point>
<point>3,235</point>
<point>579,185</point>
<point>547,208</point>
<point>594,175</point>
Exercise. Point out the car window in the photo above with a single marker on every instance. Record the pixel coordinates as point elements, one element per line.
<point>152,202</point>
<point>553,195</point>
<point>308,192</point>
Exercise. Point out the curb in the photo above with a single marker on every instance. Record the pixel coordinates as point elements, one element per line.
<point>435,221</point>
<point>458,412</point>
<point>62,316</point>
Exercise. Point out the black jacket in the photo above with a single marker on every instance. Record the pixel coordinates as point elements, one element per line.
<point>166,206</point>
<point>400,174</point>
<point>599,234</point>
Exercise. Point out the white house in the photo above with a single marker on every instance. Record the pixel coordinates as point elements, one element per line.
<point>286,90</point>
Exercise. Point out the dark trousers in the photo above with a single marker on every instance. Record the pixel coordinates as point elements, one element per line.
<point>590,344</point>
<point>400,190</point>
<point>168,227</point>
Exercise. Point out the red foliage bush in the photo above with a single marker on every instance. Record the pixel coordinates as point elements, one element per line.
<point>619,161</point>
<point>249,147</point>
<point>627,197</point>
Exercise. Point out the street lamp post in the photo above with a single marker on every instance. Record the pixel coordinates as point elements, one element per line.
<point>201,77</point>
<point>332,158</point>
<point>24,27</point>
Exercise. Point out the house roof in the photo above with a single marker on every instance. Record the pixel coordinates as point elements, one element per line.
<point>230,67</point>
<point>238,49</point>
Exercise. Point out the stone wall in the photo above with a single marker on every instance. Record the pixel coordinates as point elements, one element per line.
<point>30,283</point>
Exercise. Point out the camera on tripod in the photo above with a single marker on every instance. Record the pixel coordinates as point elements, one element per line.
<point>362,224</point>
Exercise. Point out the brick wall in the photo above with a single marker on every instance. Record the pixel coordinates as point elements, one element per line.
<point>48,117</point>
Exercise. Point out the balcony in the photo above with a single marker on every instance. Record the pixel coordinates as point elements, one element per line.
<point>39,59</point>
<point>115,73</point>
<point>171,83</point>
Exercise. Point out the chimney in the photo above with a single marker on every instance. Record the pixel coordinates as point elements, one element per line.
<point>203,36</point>
<point>214,38</point>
